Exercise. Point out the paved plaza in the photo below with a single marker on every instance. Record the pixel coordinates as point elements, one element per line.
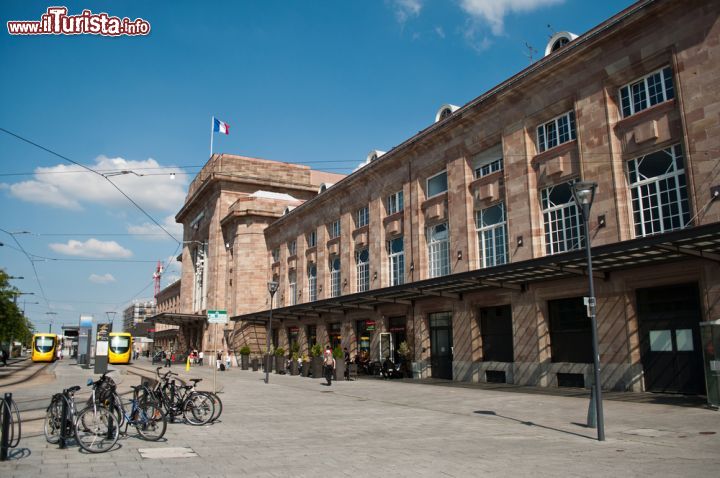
<point>298,427</point>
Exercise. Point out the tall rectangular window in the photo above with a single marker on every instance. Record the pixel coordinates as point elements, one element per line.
<point>492,235</point>
<point>362,263</point>
<point>335,277</point>
<point>292,288</point>
<point>437,184</point>
<point>659,192</point>
<point>650,90</point>
<point>395,202</point>
<point>312,239</point>
<point>292,248</point>
<point>396,255</point>
<point>334,229</point>
<point>276,254</point>
<point>438,250</point>
<point>363,215</point>
<point>312,282</point>
<point>557,131</point>
<point>563,225</point>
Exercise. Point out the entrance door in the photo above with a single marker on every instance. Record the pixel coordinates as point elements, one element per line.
<point>669,320</point>
<point>441,343</point>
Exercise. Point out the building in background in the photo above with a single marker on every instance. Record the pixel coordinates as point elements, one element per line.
<point>136,318</point>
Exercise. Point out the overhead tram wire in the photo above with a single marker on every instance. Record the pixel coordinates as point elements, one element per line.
<point>32,264</point>
<point>96,172</point>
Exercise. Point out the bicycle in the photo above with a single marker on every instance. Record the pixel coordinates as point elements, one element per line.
<point>196,408</point>
<point>212,395</point>
<point>145,414</point>
<point>95,428</point>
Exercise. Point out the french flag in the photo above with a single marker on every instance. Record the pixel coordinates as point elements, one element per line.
<point>220,127</point>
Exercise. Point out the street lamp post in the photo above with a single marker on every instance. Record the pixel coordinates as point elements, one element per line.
<point>272,288</point>
<point>51,320</point>
<point>584,194</point>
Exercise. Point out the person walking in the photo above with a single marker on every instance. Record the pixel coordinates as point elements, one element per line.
<point>228,360</point>
<point>168,358</point>
<point>200,358</point>
<point>329,364</point>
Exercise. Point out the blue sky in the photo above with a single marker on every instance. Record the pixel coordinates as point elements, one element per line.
<point>314,82</point>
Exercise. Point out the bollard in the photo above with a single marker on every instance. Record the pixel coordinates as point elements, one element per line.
<point>592,410</point>
<point>63,419</point>
<point>5,433</point>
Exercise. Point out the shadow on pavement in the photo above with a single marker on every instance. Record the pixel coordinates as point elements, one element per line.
<point>530,424</point>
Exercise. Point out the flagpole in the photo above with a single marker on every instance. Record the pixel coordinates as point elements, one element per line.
<point>212,127</point>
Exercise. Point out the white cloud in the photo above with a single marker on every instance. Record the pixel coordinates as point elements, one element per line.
<point>71,186</point>
<point>101,279</point>
<point>493,12</point>
<point>157,234</point>
<point>404,9</point>
<point>92,248</point>
<point>440,32</point>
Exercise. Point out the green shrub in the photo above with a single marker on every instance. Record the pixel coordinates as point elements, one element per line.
<point>316,350</point>
<point>338,352</point>
<point>404,350</point>
<point>245,350</point>
<point>279,352</point>
<point>294,356</point>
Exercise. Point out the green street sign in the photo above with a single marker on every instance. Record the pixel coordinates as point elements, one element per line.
<point>217,316</point>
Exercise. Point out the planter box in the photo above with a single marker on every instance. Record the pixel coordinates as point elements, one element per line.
<point>255,365</point>
<point>306,369</point>
<point>294,369</point>
<point>244,362</point>
<point>339,369</point>
<point>317,367</point>
<point>279,364</point>
<point>268,363</point>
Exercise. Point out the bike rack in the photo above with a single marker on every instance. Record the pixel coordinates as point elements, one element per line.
<point>10,418</point>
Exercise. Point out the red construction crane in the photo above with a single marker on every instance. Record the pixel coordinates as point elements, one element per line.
<point>157,275</point>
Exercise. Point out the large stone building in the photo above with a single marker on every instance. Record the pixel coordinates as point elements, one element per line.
<point>465,241</point>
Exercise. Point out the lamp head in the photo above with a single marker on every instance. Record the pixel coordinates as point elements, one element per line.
<point>272,287</point>
<point>584,192</point>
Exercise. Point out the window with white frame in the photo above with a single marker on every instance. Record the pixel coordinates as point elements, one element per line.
<point>334,229</point>
<point>659,192</point>
<point>563,224</point>
<point>557,131</point>
<point>395,202</point>
<point>437,184</point>
<point>362,216</point>
<point>292,288</point>
<point>650,90</point>
<point>438,240</point>
<point>292,248</point>
<point>312,239</point>
<point>362,263</point>
<point>396,256</point>
<point>488,161</point>
<point>335,277</point>
<point>312,282</point>
<point>276,254</point>
<point>492,235</point>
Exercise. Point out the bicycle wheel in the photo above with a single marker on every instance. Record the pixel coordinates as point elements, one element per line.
<point>198,409</point>
<point>53,420</point>
<point>151,422</point>
<point>96,429</point>
<point>217,403</point>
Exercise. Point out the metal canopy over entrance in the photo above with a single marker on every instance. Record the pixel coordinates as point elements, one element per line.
<point>172,318</point>
<point>696,242</point>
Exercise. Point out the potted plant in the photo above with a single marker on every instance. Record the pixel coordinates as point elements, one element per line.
<point>317,361</point>
<point>244,357</point>
<point>305,366</point>
<point>339,357</point>
<point>294,369</point>
<point>255,364</point>
<point>279,360</point>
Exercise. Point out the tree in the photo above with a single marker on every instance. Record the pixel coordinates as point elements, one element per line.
<point>13,326</point>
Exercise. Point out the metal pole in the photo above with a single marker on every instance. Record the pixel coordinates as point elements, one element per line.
<point>63,418</point>
<point>216,364</point>
<point>267,339</point>
<point>5,432</point>
<point>593,323</point>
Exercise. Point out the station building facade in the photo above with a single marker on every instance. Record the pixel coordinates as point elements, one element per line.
<point>465,241</point>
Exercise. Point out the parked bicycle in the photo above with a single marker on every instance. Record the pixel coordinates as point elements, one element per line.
<point>95,428</point>
<point>196,408</point>
<point>145,412</point>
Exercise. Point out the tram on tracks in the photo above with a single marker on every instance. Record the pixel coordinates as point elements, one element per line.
<point>44,347</point>
<point>120,350</point>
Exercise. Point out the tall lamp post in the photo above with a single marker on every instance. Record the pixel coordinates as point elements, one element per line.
<point>272,288</point>
<point>51,314</point>
<point>584,194</point>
